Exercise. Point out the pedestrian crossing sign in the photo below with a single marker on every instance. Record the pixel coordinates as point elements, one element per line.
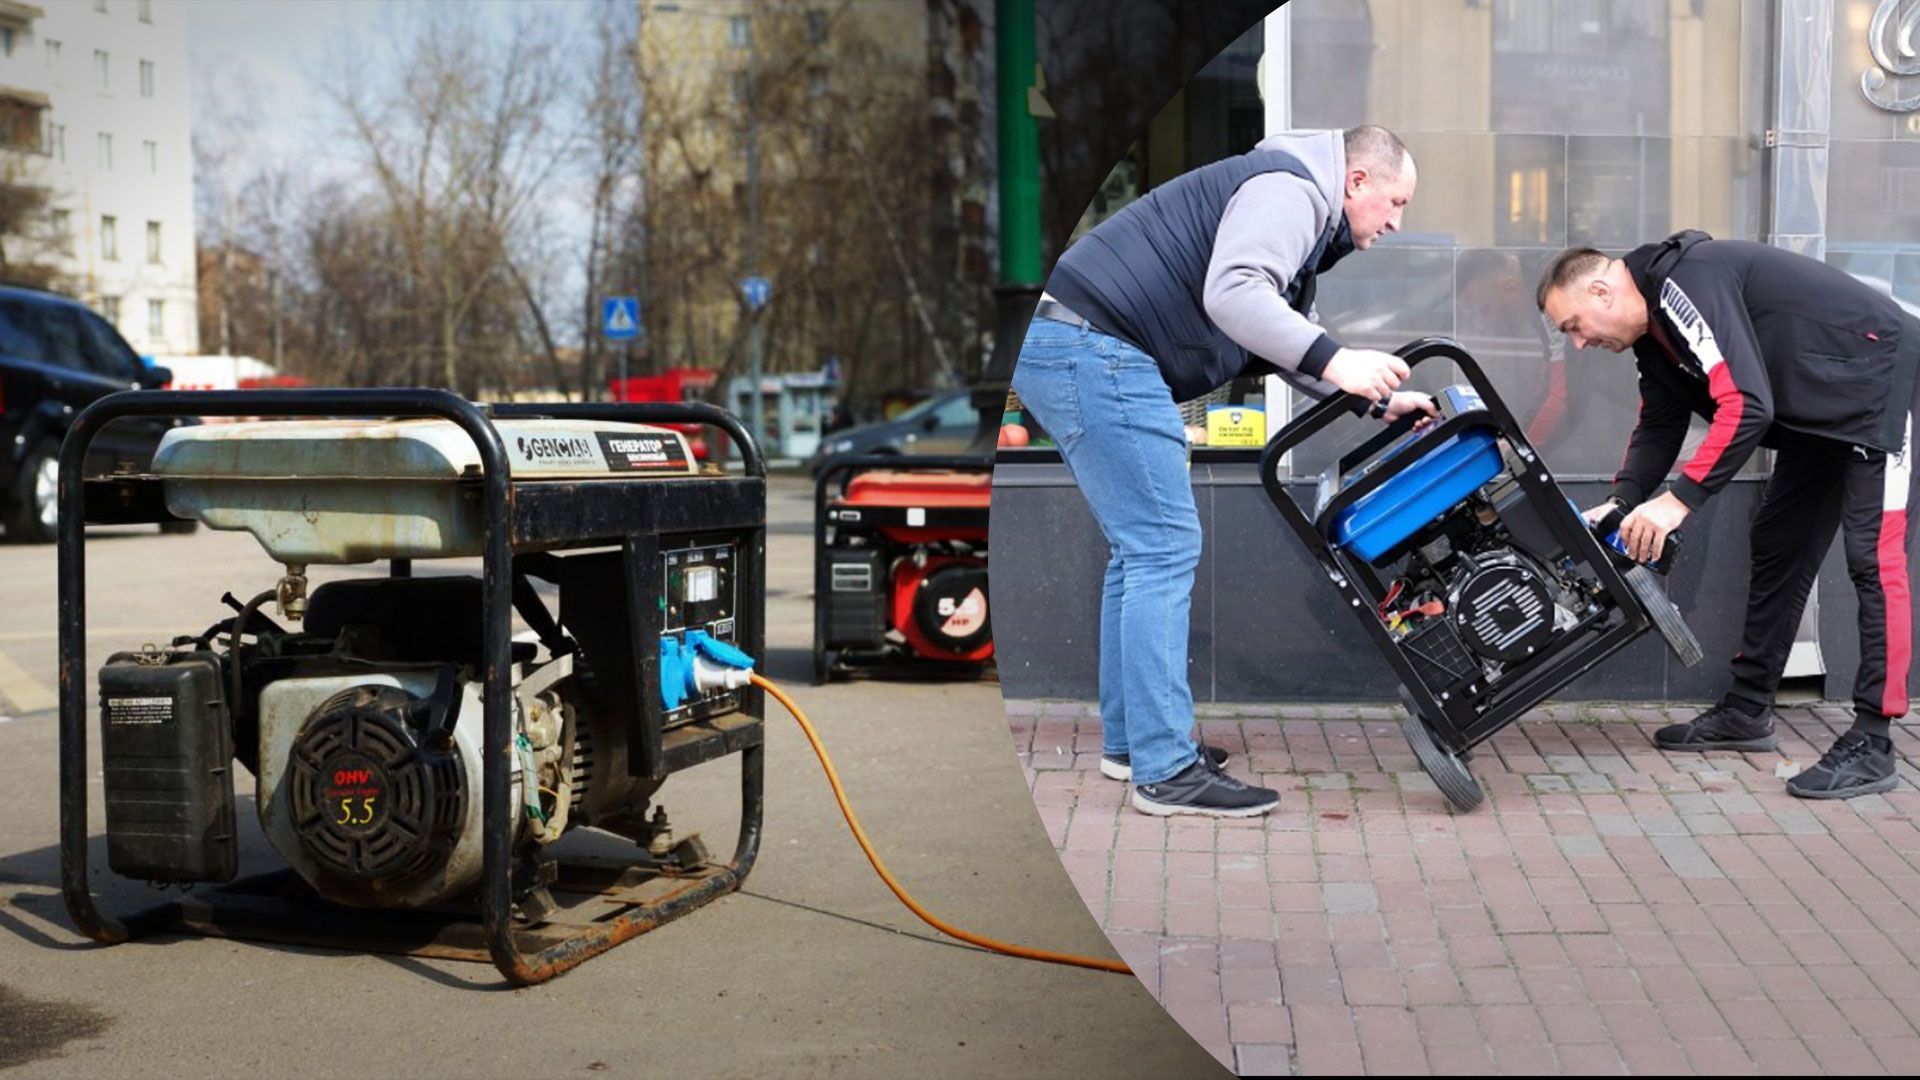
<point>620,317</point>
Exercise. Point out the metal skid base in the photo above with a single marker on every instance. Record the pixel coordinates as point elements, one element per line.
<point>601,904</point>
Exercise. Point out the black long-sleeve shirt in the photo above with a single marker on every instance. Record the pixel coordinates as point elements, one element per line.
<point>1752,337</point>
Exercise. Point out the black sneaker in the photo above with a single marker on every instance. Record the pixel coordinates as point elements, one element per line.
<point>1120,766</point>
<point>1858,764</point>
<point>1201,788</point>
<point>1722,727</point>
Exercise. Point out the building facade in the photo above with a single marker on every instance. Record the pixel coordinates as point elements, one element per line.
<point>104,84</point>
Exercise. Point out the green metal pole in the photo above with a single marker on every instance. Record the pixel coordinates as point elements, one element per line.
<point>1019,144</point>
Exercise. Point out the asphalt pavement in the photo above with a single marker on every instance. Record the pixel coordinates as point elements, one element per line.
<point>813,970</point>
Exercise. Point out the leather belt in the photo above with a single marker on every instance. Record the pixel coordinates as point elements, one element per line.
<point>1055,311</point>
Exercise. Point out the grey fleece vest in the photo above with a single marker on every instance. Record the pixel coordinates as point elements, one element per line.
<point>1140,274</point>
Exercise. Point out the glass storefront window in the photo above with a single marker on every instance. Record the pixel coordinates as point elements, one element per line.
<point>1873,176</point>
<point>1537,124</point>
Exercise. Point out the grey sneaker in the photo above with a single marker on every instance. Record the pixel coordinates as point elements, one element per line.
<point>1722,727</point>
<point>1858,764</point>
<point>1120,766</point>
<point>1201,788</point>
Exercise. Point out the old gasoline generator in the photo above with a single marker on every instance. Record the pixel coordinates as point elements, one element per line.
<point>413,760</point>
<point>1467,566</point>
<point>900,564</point>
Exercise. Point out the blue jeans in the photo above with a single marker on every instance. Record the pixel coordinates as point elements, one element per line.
<point>1120,433</point>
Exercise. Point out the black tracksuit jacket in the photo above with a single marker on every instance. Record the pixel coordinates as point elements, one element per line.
<point>1755,338</point>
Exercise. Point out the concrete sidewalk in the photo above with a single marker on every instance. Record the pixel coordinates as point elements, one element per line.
<point>814,969</point>
<point>1610,909</point>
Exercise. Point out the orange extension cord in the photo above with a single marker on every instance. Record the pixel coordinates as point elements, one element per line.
<point>840,796</point>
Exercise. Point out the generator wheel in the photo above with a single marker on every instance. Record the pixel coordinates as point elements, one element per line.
<point>1446,768</point>
<point>1666,618</point>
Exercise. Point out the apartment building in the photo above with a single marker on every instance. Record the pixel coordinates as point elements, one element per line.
<point>95,105</point>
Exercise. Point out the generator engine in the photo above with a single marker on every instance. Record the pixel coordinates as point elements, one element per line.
<point>940,606</point>
<point>1471,601</point>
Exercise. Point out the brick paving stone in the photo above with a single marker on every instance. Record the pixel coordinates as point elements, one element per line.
<point>1525,1059</point>
<point>1259,1024</point>
<point>1493,986</point>
<point>1725,1057</point>
<point>1263,1059</point>
<point>1325,1039</point>
<point>1846,1056</point>
<point>1573,1023</point>
<point>1730,983</point>
<point>1816,1018</point>
<point>1389,1041</point>
<point>1433,987</point>
<point>1781,1057</point>
<point>1350,898</point>
<point>1589,1060</point>
<point>1460,1059</point>
<point>1243,923</point>
<point>1897,1055</point>
<point>1654,1056</point>
<point>1844,983</point>
<point>1302,984</point>
<point>1552,987</point>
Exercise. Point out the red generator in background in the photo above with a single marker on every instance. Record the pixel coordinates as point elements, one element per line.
<point>677,386</point>
<point>900,565</point>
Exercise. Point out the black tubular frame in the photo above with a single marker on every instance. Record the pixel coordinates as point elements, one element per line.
<point>846,466</point>
<point>497,508</point>
<point>1459,721</point>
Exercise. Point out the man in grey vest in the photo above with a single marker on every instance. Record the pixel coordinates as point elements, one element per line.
<point>1205,278</point>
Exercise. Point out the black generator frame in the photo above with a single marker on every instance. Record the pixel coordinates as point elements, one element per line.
<point>1459,721</point>
<point>519,519</point>
<point>834,477</point>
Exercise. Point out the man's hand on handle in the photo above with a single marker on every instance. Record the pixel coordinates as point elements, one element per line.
<point>1370,374</point>
<point>1644,532</point>
<point>1408,401</point>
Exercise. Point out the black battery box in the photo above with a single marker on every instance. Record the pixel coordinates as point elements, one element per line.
<point>167,746</point>
<point>856,598</point>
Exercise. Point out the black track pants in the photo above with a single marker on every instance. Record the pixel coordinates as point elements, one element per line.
<point>1819,487</point>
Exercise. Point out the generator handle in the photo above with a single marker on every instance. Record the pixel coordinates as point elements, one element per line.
<point>1329,409</point>
<point>845,465</point>
<point>650,412</point>
<point>848,464</point>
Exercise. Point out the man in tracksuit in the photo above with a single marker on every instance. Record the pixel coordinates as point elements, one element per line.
<point>1206,277</point>
<point>1783,351</point>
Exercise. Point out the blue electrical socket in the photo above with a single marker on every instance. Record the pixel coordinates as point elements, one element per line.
<point>677,655</point>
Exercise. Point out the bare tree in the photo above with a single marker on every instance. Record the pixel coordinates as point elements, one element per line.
<point>29,240</point>
<point>457,136</point>
<point>841,115</point>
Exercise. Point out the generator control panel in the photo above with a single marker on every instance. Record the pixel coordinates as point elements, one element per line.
<point>698,593</point>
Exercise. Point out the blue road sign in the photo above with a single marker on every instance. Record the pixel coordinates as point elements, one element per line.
<point>620,317</point>
<point>757,290</point>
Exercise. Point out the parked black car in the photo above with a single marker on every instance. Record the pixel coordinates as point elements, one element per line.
<point>945,423</point>
<point>57,357</point>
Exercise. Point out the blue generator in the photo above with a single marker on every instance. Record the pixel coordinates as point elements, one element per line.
<point>1465,563</point>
